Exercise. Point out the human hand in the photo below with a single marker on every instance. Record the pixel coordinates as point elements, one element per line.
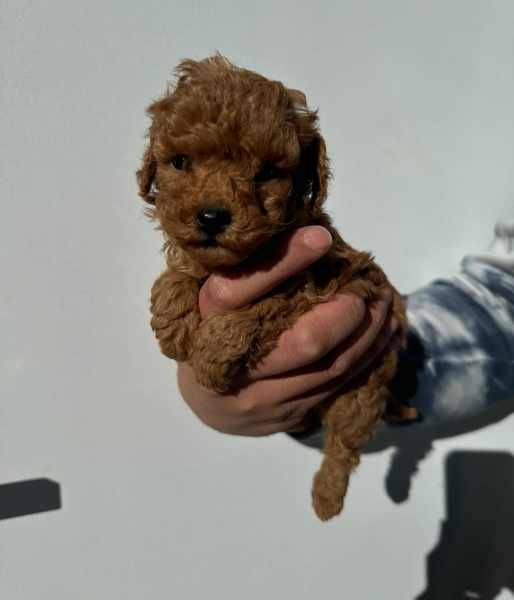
<point>313,361</point>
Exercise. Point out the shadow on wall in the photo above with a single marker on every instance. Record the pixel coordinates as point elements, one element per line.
<point>28,497</point>
<point>413,443</point>
<point>474,558</point>
<point>415,381</point>
<point>417,385</point>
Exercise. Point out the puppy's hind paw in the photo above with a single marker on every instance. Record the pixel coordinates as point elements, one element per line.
<point>327,507</point>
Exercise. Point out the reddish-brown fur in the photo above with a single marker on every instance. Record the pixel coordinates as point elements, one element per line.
<point>229,122</point>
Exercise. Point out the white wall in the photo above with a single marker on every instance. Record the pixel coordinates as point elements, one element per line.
<point>415,101</point>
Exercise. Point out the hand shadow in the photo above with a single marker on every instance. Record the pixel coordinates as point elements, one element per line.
<point>474,557</point>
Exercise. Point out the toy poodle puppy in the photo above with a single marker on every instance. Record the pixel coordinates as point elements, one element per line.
<point>233,160</point>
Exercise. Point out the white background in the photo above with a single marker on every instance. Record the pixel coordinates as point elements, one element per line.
<point>415,102</point>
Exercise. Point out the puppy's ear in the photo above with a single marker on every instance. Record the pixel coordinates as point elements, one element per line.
<point>146,175</point>
<point>315,172</point>
<point>322,175</point>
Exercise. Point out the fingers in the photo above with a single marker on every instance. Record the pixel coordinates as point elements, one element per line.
<point>313,336</point>
<point>342,361</point>
<point>336,386</point>
<point>296,413</point>
<point>222,293</point>
<point>376,350</point>
<point>283,404</point>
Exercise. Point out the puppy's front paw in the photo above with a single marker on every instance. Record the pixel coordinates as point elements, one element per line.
<point>175,316</point>
<point>221,349</point>
<point>214,374</point>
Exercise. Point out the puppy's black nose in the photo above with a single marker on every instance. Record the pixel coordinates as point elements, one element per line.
<point>212,221</point>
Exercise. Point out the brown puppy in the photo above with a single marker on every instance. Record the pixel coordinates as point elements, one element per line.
<point>234,159</point>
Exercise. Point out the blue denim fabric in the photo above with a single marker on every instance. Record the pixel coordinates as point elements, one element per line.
<point>462,336</point>
<point>461,342</point>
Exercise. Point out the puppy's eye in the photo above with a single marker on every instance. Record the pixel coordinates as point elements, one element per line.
<point>180,162</point>
<point>267,173</point>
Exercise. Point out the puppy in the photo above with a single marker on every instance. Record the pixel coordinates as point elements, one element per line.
<point>234,159</point>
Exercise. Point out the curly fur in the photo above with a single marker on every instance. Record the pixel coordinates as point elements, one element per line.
<point>229,123</point>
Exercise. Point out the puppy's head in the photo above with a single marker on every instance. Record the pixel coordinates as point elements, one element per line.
<point>232,159</point>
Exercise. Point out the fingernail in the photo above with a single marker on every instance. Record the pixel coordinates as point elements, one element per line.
<point>317,238</point>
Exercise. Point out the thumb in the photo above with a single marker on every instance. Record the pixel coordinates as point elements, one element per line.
<point>292,254</point>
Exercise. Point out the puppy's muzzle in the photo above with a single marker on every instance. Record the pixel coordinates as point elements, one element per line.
<point>213,221</point>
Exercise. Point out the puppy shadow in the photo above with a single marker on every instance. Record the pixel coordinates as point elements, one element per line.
<point>413,442</point>
<point>21,498</point>
<point>474,557</point>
